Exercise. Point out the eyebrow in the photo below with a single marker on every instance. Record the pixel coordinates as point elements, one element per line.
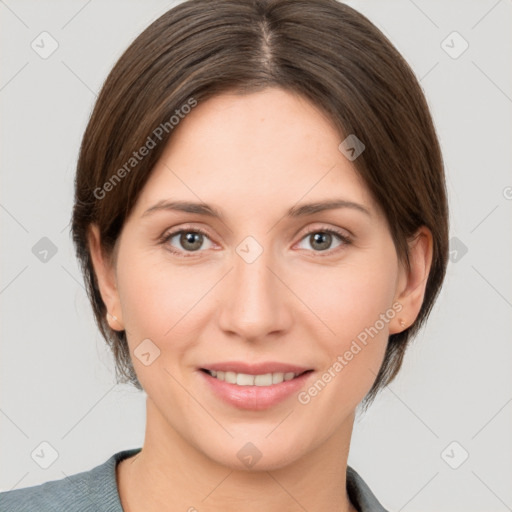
<point>295,211</point>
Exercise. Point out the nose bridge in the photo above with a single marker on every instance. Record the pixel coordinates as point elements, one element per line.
<point>254,305</point>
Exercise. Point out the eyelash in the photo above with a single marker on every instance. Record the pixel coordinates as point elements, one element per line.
<point>346,240</point>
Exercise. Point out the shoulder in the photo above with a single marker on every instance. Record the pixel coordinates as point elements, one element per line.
<point>89,491</point>
<point>360,494</point>
<point>54,496</point>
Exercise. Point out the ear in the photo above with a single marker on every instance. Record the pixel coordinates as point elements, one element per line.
<point>413,281</point>
<point>107,282</point>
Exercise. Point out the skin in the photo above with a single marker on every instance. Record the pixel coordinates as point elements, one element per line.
<point>253,157</point>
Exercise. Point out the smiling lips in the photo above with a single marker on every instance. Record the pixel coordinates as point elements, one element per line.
<point>256,386</point>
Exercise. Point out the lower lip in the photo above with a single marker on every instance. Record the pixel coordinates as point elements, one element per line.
<point>255,398</point>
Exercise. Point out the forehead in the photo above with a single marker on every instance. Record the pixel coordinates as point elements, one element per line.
<point>267,147</point>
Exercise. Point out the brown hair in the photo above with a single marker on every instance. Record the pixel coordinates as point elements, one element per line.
<point>323,50</point>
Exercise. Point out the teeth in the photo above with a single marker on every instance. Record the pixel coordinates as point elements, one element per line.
<point>244,379</point>
<point>230,377</point>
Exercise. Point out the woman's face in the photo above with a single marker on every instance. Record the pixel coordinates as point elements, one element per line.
<point>261,286</point>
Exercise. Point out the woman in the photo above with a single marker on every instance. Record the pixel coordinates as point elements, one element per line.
<point>261,219</point>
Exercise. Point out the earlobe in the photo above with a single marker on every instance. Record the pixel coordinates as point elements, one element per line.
<point>105,275</point>
<point>413,281</point>
<point>114,322</point>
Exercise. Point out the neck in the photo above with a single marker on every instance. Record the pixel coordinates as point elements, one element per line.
<point>169,474</point>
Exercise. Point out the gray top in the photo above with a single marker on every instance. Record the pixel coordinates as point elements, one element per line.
<point>96,491</point>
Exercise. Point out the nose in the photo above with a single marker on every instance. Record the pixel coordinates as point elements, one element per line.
<point>255,302</point>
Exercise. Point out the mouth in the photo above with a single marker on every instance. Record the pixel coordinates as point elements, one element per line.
<point>247,379</point>
<point>254,386</point>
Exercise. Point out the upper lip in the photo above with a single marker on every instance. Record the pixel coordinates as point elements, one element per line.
<point>256,368</point>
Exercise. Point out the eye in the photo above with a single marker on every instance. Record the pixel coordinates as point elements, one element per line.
<point>321,239</point>
<point>187,240</point>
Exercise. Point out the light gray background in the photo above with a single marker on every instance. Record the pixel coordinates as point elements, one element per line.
<point>57,380</point>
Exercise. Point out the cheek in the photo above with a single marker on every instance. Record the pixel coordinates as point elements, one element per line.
<point>350,298</point>
<point>160,301</point>
<point>355,309</point>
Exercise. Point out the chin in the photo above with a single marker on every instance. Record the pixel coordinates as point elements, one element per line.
<point>255,453</point>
